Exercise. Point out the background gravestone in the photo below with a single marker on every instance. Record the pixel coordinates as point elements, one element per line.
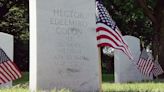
<point>6,43</point>
<point>64,54</point>
<point>126,70</point>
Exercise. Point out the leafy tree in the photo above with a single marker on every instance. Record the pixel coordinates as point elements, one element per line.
<point>143,19</point>
<point>154,9</point>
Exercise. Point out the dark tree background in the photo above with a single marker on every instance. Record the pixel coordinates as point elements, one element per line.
<point>154,9</point>
<point>143,19</point>
<point>131,20</point>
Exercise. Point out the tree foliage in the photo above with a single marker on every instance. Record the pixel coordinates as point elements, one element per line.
<point>130,19</point>
<point>143,19</point>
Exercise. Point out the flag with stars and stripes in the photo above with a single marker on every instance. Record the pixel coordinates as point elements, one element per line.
<point>145,63</point>
<point>8,69</point>
<point>157,69</point>
<point>108,33</point>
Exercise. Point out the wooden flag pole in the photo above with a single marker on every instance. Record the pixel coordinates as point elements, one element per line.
<point>100,71</point>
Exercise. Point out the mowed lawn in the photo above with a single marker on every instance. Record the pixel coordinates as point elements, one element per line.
<point>147,86</point>
<point>21,85</point>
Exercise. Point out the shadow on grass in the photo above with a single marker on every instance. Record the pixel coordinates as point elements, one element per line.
<point>107,78</point>
<point>23,80</point>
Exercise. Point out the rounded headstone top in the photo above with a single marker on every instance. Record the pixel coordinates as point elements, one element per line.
<point>130,37</point>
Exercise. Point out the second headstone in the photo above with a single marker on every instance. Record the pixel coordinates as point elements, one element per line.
<point>125,69</point>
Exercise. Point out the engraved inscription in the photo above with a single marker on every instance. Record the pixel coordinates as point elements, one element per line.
<point>70,26</point>
<point>68,18</point>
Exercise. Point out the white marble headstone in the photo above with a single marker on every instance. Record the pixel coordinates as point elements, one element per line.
<point>126,70</point>
<point>63,46</point>
<point>6,43</point>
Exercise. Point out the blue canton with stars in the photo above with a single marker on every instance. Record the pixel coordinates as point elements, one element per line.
<point>104,17</point>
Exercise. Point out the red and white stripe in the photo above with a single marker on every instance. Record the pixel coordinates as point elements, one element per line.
<point>106,36</point>
<point>145,66</point>
<point>8,72</point>
<point>157,69</point>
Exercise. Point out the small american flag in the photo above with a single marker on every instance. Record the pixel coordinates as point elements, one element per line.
<point>108,33</point>
<point>157,69</point>
<point>8,69</point>
<point>145,64</point>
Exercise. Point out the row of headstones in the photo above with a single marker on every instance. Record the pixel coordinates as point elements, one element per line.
<point>125,70</point>
<point>63,47</point>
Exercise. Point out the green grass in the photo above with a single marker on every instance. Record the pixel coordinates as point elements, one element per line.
<point>108,85</point>
<point>107,78</point>
<point>14,90</point>
<point>133,87</point>
<point>23,80</point>
<point>21,85</point>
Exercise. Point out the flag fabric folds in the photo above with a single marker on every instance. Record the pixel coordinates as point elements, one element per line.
<point>8,69</point>
<point>108,33</point>
<point>145,63</point>
<point>157,69</point>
